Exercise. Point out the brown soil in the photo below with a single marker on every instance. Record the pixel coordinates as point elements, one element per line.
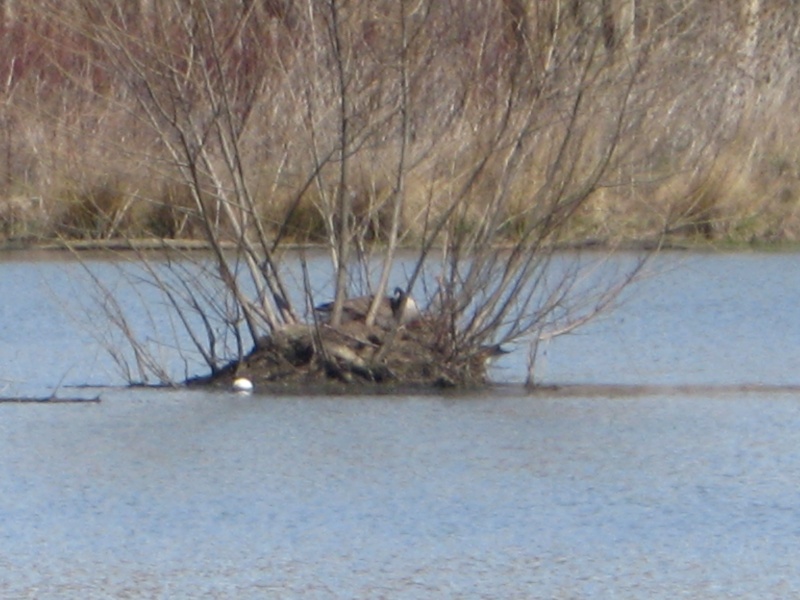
<point>304,355</point>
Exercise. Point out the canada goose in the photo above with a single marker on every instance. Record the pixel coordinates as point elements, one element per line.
<point>404,307</point>
<point>487,353</point>
<point>395,308</point>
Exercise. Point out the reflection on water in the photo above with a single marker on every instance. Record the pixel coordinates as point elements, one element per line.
<point>503,495</point>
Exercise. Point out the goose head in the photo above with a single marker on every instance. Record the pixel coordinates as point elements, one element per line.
<point>404,307</point>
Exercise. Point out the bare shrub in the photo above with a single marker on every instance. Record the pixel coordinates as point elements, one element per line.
<point>484,136</point>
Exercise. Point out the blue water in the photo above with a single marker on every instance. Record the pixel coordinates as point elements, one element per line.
<point>699,319</point>
<point>196,495</point>
<point>716,319</point>
<point>504,494</point>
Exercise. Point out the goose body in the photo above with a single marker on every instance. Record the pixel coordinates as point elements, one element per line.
<point>397,308</point>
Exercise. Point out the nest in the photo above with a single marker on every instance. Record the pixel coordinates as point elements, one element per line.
<point>309,355</point>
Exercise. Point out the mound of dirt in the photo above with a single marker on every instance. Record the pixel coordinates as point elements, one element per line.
<point>307,355</point>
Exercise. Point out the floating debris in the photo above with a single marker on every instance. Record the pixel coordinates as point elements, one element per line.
<point>242,385</point>
<point>47,400</point>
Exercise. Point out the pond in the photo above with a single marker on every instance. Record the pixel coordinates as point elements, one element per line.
<point>669,470</point>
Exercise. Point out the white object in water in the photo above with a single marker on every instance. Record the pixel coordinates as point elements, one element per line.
<point>242,384</point>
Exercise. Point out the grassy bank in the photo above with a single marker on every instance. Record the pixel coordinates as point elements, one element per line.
<point>708,147</point>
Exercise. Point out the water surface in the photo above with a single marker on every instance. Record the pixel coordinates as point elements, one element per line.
<point>655,493</point>
<point>195,494</point>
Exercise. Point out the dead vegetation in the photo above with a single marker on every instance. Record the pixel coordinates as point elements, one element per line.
<point>483,136</point>
<point>707,75</point>
<point>354,353</point>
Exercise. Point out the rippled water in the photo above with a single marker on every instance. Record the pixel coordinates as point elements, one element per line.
<point>707,319</point>
<point>156,494</point>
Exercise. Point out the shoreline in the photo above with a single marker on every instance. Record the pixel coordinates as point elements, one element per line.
<point>198,245</point>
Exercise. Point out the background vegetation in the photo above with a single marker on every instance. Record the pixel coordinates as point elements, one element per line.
<point>483,136</point>
<point>710,149</point>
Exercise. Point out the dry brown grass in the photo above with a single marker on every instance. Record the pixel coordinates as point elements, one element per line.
<point>71,137</point>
